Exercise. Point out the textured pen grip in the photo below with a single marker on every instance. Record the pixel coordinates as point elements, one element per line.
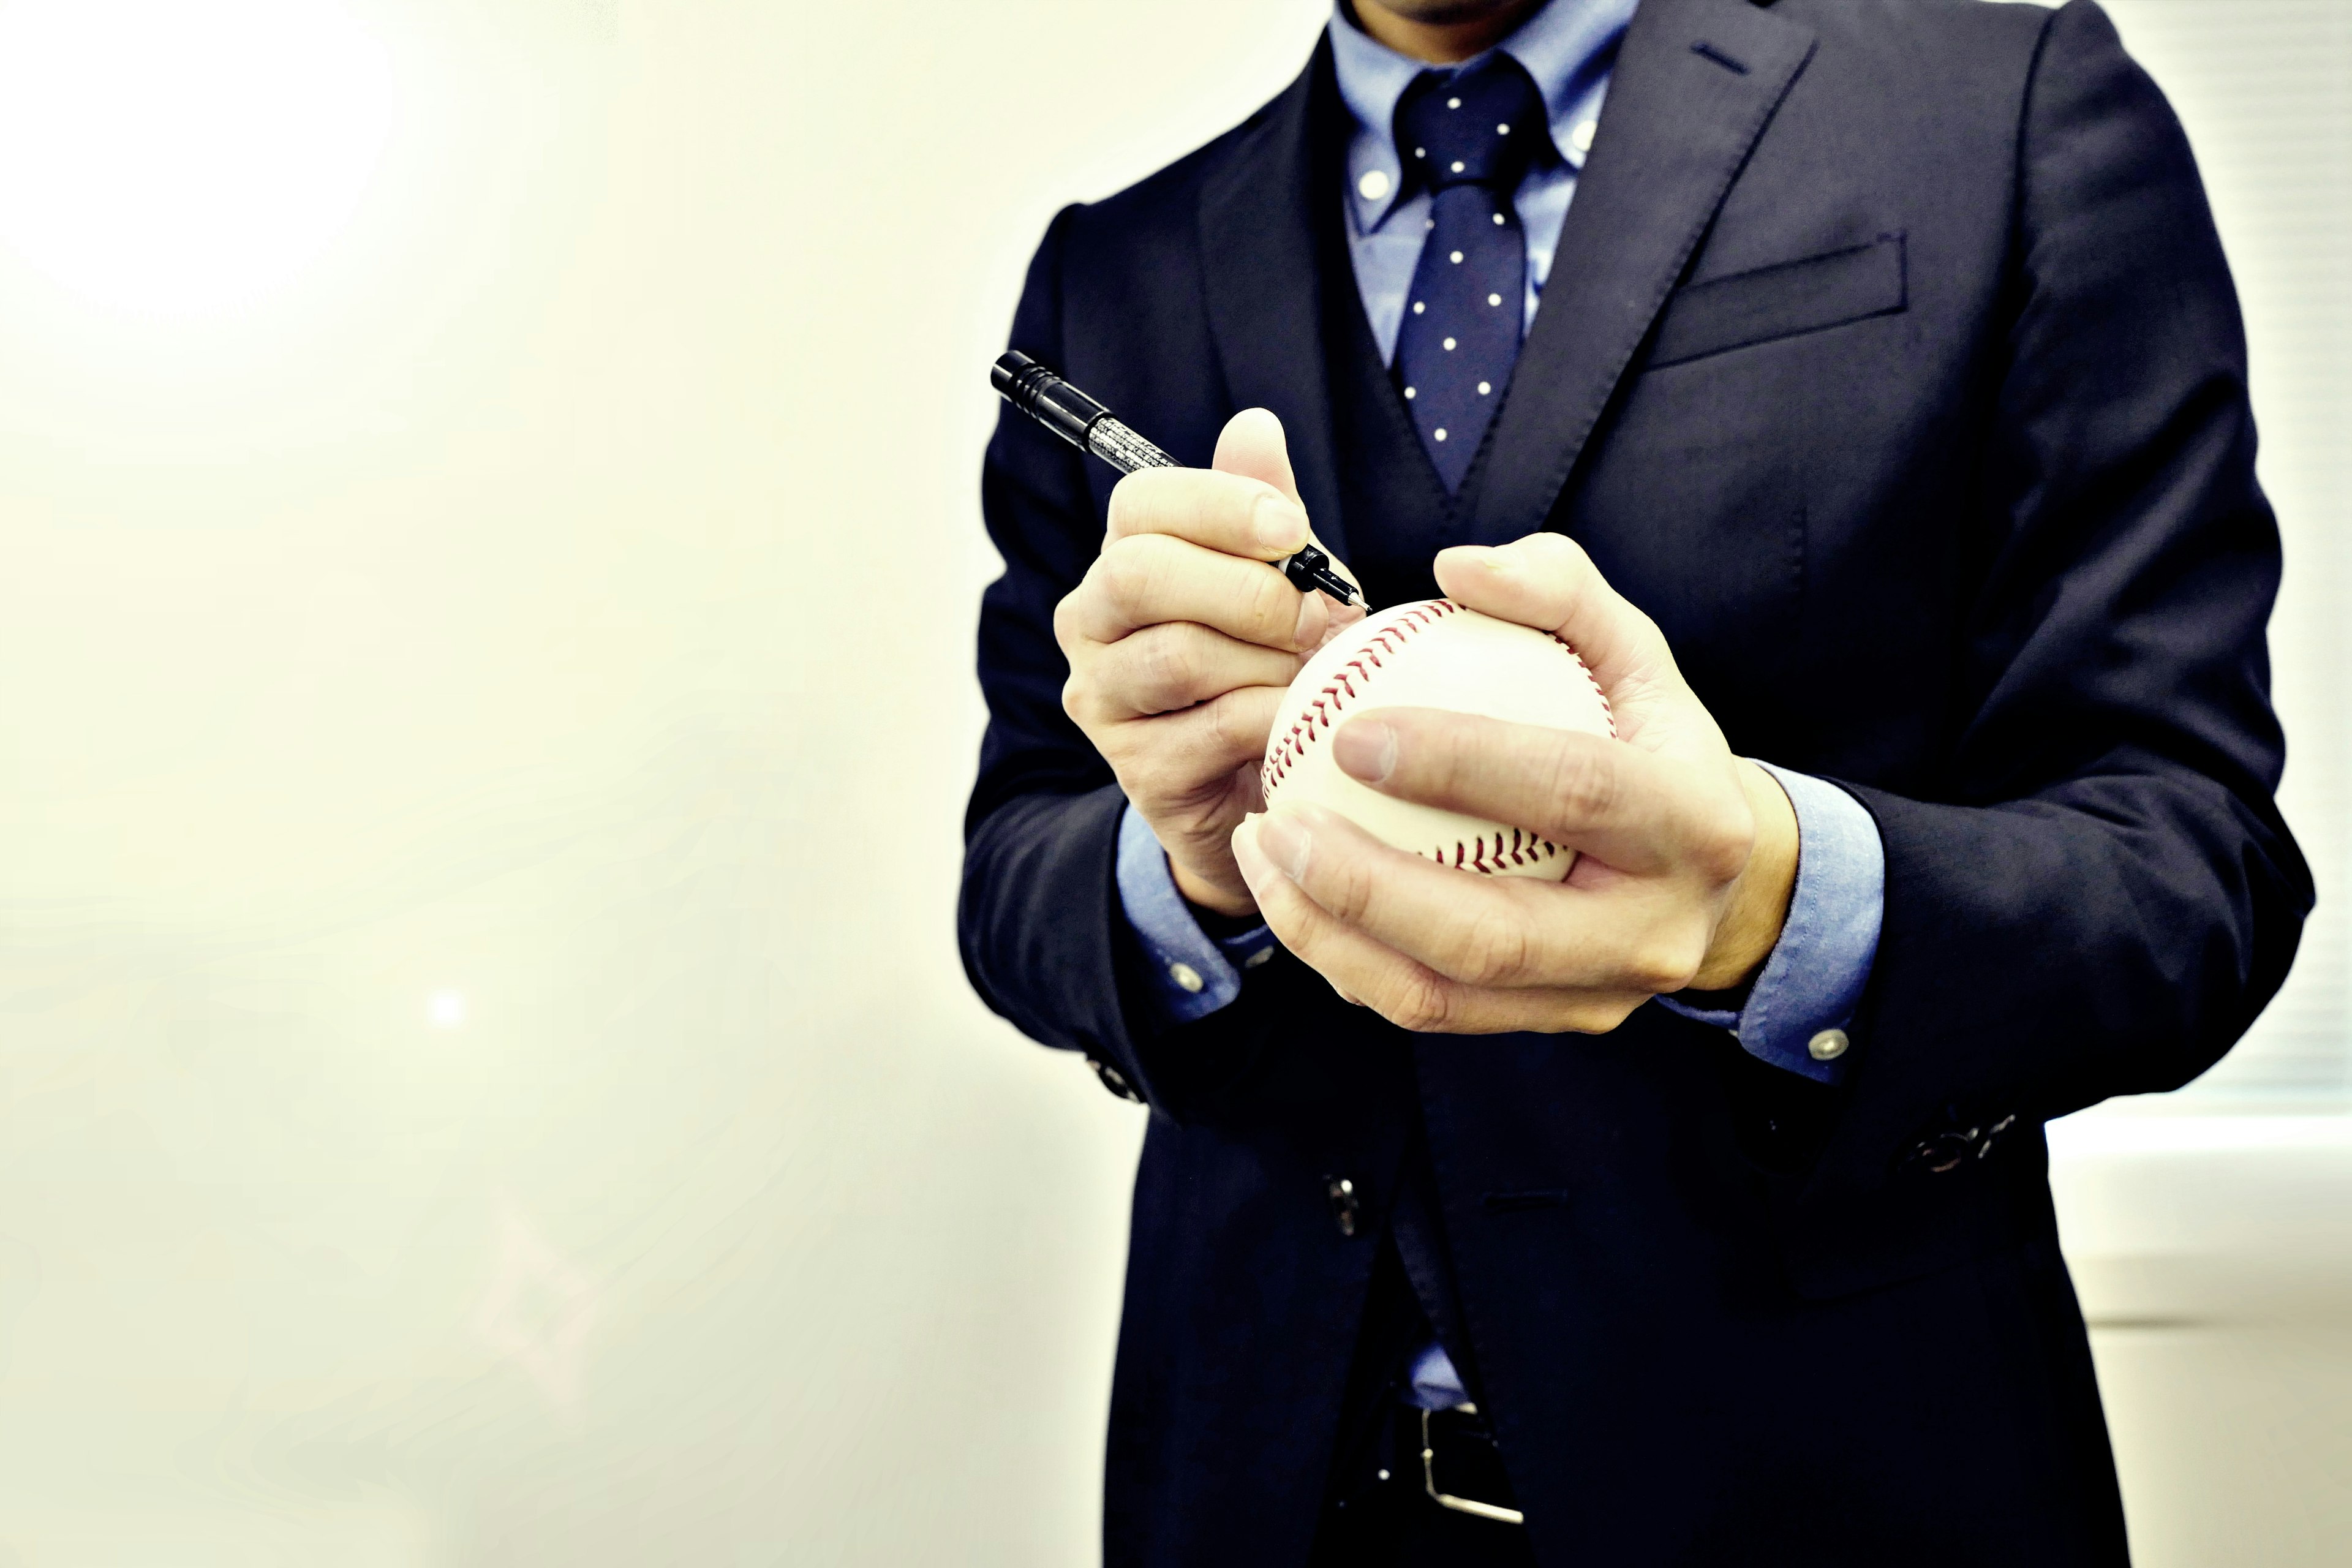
<point>1123,449</point>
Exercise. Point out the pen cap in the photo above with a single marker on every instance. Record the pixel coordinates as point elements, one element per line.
<point>1045,398</point>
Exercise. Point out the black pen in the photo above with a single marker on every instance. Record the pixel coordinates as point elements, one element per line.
<point>1090,428</point>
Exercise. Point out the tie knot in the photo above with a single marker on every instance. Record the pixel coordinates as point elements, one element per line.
<point>1478,127</point>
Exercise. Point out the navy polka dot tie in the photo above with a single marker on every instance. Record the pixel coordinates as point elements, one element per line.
<point>1467,138</point>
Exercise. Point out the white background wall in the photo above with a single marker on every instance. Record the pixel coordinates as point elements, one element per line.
<point>559,597</point>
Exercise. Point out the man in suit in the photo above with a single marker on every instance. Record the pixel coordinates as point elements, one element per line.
<point>1863,392</point>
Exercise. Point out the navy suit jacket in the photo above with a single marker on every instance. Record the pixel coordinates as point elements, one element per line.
<point>1891,363</point>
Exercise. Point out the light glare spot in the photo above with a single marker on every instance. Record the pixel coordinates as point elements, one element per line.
<point>172,159</point>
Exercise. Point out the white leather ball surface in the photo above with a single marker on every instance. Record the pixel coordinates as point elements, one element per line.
<point>1434,653</point>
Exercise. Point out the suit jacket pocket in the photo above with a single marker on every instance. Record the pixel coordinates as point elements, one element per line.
<point>1782,301</point>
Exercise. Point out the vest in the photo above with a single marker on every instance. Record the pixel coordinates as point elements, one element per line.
<point>1398,516</point>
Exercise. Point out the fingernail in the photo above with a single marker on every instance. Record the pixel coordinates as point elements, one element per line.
<point>1286,843</point>
<point>1366,749</point>
<point>1246,853</point>
<point>1314,620</point>
<point>1280,525</point>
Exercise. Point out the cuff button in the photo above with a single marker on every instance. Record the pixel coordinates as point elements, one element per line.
<point>1827,1046</point>
<point>1114,1082</point>
<point>1185,975</point>
<point>1344,1204</point>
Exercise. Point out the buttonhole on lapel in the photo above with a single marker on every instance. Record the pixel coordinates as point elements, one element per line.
<point>1513,1203</point>
<point>1705,50</point>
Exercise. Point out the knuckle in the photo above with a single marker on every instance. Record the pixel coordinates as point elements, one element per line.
<point>1602,1015</point>
<point>1556,561</point>
<point>1557,551</point>
<point>1430,763</point>
<point>1230,730</point>
<point>1663,964</point>
<point>1126,506</point>
<point>1226,725</point>
<point>1349,892</point>
<point>1163,797</point>
<point>1273,609</point>
<point>1497,948</point>
<point>1725,843</point>
<point>1422,1004</point>
<point>1581,786</point>
<point>1128,575</point>
<point>1166,671</point>
<point>1223,724</point>
<point>1146,502</point>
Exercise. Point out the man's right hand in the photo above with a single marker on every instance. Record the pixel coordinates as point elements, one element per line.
<point>1181,644</point>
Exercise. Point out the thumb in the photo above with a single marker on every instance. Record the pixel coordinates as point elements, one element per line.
<point>1253,447</point>
<point>1548,582</point>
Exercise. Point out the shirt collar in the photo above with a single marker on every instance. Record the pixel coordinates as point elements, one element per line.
<point>1567,47</point>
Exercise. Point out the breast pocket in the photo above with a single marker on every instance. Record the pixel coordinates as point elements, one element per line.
<point>1784,301</point>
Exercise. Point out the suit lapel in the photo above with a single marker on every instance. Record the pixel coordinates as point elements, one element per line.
<point>1695,85</point>
<point>1265,304</point>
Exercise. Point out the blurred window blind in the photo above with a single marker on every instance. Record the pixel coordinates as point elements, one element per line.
<point>2264,88</point>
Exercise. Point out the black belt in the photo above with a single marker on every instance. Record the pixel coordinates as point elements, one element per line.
<point>1408,1490</point>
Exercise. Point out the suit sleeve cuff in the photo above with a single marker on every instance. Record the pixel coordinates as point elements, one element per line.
<point>1797,1010</point>
<point>1192,975</point>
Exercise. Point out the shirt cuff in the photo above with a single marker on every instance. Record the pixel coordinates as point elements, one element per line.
<point>1806,994</point>
<point>1193,974</point>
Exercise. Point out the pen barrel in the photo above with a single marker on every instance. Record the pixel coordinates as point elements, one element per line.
<point>1088,426</point>
<point>1046,398</point>
<point>1072,415</point>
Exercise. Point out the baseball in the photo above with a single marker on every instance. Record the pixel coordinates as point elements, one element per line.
<point>1434,653</point>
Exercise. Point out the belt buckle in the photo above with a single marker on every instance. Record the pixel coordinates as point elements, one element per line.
<point>1470,1506</point>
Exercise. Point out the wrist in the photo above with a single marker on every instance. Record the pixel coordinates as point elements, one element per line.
<point>1759,899</point>
<point>1232,902</point>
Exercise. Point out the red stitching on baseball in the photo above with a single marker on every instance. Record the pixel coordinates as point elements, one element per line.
<point>1323,709</point>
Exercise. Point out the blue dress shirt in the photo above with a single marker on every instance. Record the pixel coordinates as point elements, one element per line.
<point>1808,988</point>
<point>1567,47</point>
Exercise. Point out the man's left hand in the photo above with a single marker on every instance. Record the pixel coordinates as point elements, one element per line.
<point>1685,854</point>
